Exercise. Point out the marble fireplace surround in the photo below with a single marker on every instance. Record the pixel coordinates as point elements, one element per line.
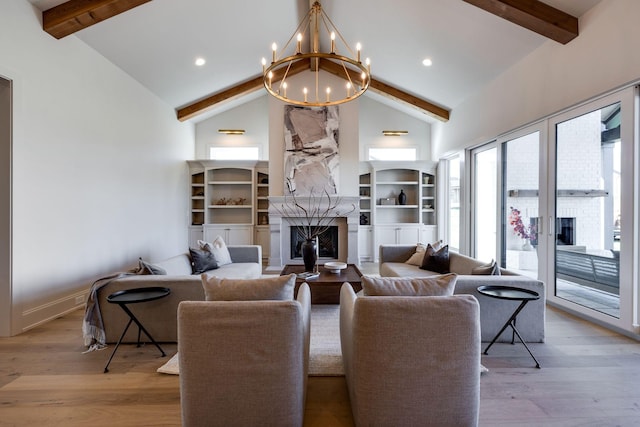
<point>280,231</point>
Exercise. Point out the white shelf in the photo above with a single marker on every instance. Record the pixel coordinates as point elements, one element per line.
<point>230,182</point>
<point>230,206</point>
<point>396,206</point>
<point>397,183</point>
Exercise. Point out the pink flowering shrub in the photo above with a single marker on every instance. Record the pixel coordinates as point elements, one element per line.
<point>515,220</point>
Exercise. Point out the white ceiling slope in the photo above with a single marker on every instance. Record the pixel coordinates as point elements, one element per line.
<point>157,43</point>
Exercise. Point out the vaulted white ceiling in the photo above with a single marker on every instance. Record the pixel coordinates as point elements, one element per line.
<point>157,43</point>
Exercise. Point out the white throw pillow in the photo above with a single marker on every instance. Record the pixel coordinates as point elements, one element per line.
<point>418,256</point>
<point>219,250</point>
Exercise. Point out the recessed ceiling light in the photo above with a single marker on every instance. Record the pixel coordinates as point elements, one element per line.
<point>200,62</point>
<point>427,62</point>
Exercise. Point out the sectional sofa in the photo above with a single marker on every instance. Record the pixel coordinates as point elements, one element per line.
<point>160,317</point>
<point>493,312</point>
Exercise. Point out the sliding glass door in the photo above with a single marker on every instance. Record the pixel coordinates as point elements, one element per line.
<point>520,201</point>
<point>484,202</point>
<point>591,176</point>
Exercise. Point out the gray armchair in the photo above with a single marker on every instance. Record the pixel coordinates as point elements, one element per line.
<point>244,363</point>
<point>411,361</point>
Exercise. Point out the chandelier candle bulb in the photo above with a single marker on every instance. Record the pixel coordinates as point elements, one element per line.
<point>284,89</point>
<point>348,89</point>
<point>270,78</point>
<point>305,91</point>
<point>368,62</point>
<point>358,49</point>
<point>299,47</point>
<point>328,94</point>
<point>333,42</point>
<point>274,48</point>
<point>264,64</point>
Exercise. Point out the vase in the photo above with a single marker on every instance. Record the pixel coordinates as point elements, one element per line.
<point>402,198</point>
<point>527,245</point>
<point>309,254</point>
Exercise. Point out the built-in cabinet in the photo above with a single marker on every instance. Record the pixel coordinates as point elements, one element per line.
<point>228,199</point>
<point>231,199</point>
<point>398,202</point>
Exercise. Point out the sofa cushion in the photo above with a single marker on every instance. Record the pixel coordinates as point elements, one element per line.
<point>418,256</point>
<point>436,260</point>
<point>145,267</point>
<point>272,288</point>
<point>202,261</point>
<point>440,285</point>
<point>179,265</point>
<point>219,250</point>
<point>491,269</point>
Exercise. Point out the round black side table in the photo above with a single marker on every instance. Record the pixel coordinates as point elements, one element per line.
<point>512,294</point>
<point>135,296</point>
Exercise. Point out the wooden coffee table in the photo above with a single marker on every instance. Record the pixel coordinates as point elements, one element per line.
<point>325,289</point>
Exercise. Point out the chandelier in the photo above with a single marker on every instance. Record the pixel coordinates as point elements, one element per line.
<point>340,61</point>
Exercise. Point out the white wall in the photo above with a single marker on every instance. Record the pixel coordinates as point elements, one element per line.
<point>252,117</point>
<point>376,117</point>
<point>603,57</point>
<point>99,168</point>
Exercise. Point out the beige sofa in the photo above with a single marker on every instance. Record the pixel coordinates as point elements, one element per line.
<point>493,312</point>
<point>411,360</point>
<point>244,363</point>
<point>159,317</point>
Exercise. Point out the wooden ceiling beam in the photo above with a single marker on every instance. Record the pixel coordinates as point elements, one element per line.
<point>389,91</point>
<point>189,111</point>
<point>535,16</point>
<point>75,15</point>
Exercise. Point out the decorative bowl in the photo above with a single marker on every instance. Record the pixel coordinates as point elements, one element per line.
<point>335,267</point>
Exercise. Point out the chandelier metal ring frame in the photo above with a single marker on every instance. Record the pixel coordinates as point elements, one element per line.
<point>356,74</point>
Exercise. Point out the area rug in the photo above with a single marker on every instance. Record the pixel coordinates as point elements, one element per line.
<point>325,356</point>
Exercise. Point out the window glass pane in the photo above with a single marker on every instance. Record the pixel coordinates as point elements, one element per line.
<point>234,153</point>
<point>392,154</point>
<point>588,199</point>
<point>486,199</point>
<point>453,234</point>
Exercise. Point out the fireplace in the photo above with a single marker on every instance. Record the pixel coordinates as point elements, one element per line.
<point>343,245</point>
<point>328,243</point>
<point>565,231</point>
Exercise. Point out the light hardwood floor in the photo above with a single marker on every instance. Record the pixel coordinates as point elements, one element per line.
<point>589,376</point>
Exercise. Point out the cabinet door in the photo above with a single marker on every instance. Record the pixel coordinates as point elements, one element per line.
<point>408,235</point>
<point>239,236</point>
<point>365,243</point>
<point>213,231</point>
<point>386,235</point>
<point>428,234</point>
<point>263,238</point>
<point>195,234</point>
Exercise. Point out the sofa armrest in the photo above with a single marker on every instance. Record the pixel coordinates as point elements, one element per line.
<point>245,253</point>
<point>396,253</point>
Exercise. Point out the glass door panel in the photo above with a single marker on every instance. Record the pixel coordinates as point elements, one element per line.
<point>588,210</point>
<point>485,202</point>
<point>520,207</point>
<point>453,223</point>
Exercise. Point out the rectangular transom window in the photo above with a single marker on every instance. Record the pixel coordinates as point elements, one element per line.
<point>407,154</point>
<point>234,153</point>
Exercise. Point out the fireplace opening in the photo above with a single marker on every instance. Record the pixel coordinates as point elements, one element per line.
<point>565,231</point>
<point>327,243</point>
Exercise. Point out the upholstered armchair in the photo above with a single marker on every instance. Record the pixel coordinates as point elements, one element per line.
<point>411,360</point>
<point>244,363</point>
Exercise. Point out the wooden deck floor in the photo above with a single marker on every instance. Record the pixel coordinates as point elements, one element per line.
<point>589,376</point>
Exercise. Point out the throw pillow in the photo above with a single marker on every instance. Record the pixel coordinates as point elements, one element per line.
<point>437,261</point>
<point>442,285</point>
<point>272,288</point>
<point>219,250</point>
<point>202,261</point>
<point>491,269</point>
<point>145,267</point>
<point>418,256</point>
